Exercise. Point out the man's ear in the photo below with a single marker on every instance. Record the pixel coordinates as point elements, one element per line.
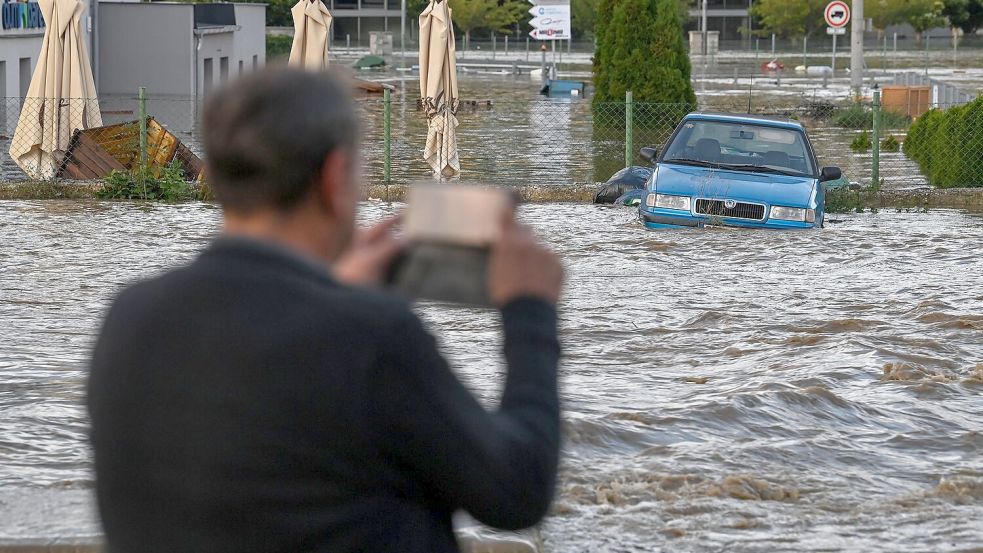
<point>333,181</point>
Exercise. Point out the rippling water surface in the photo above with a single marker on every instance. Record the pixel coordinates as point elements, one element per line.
<point>723,390</point>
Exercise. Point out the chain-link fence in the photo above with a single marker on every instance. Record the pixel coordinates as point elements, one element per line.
<point>535,141</point>
<point>40,137</point>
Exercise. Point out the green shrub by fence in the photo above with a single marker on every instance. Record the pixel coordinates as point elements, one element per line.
<point>278,46</point>
<point>859,116</point>
<point>948,146</point>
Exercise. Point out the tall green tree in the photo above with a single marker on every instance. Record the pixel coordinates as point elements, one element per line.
<point>415,7</point>
<point>277,11</point>
<point>789,18</point>
<point>583,16</point>
<point>640,47</point>
<point>492,15</point>
<point>884,13</point>
<point>922,15</point>
<point>964,14</point>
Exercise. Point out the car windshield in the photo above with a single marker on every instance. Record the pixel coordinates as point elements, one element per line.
<point>742,146</point>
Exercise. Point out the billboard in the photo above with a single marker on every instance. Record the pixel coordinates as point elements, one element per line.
<point>550,21</point>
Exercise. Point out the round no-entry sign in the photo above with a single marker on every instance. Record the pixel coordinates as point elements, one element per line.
<point>837,14</point>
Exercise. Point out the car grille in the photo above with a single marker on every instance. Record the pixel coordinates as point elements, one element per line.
<point>740,211</point>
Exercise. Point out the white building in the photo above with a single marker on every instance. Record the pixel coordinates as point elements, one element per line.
<point>21,29</point>
<point>171,48</point>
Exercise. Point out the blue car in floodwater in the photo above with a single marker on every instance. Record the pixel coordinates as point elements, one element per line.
<point>736,170</point>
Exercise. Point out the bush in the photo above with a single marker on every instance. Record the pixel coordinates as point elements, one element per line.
<point>916,143</point>
<point>890,144</point>
<point>278,46</point>
<point>845,200</point>
<point>861,143</point>
<point>168,186</point>
<point>859,116</point>
<point>640,47</point>
<point>948,145</point>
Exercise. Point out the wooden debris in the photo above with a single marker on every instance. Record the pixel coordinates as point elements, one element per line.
<point>95,153</point>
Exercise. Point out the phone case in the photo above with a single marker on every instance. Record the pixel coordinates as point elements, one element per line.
<point>449,229</point>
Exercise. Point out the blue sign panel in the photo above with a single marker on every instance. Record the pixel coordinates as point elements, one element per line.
<point>21,15</point>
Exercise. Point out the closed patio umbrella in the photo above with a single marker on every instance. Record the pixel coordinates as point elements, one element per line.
<point>312,21</point>
<point>438,88</point>
<point>62,95</point>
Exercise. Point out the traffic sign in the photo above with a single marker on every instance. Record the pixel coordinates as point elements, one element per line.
<point>835,31</point>
<point>837,14</point>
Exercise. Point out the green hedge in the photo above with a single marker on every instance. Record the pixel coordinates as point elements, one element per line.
<point>859,116</point>
<point>278,46</point>
<point>948,145</point>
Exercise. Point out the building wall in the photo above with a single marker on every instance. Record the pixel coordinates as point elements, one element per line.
<point>215,48</point>
<point>223,55</point>
<point>18,44</point>
<point>359,28</point>
<point>146,44</point>
<point>14,49</point>
<point>250,40</point>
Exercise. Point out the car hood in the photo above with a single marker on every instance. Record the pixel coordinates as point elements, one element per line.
<point>704,182</point>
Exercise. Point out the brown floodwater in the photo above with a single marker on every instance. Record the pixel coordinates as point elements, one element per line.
<point>722,390</point>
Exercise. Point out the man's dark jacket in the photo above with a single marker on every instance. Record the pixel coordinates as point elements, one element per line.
<point>248,402</point>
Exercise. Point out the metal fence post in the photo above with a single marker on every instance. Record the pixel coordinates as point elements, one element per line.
<point>875,169</point>
<point>884,54</point>
<point>928,39</point>
<point>387,103</point>
<point>143,138</point>
<point>629,134</point>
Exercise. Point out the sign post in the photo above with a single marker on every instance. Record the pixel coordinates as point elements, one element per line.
<point>550,21</point>
<point>837,15</point>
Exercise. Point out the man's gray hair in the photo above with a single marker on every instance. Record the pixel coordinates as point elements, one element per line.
<point>267,135</point>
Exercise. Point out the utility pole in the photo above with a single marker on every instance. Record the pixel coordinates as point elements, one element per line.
<point>703,27</point>
<point>402,31</point>
<point>857,26</point>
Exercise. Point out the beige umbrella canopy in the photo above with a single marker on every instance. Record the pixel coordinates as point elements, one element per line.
<point>312,21</point>
<point>62,94</point>
<point>438,88</point>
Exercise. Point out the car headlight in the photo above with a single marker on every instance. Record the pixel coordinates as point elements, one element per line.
<point>793,214</point>
<point>666,201</point>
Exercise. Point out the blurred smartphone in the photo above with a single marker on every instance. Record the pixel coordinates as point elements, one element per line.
<point>449,229</point>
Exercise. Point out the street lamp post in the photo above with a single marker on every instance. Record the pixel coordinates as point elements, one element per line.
<point>703,27</point>
<point>402,31</point>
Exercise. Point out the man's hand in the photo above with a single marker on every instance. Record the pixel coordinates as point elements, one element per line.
<point>370,255</point>
<point>520,266</point>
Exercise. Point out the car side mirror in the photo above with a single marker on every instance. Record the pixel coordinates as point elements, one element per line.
<point>830,173</point>
<point>649,154</point>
